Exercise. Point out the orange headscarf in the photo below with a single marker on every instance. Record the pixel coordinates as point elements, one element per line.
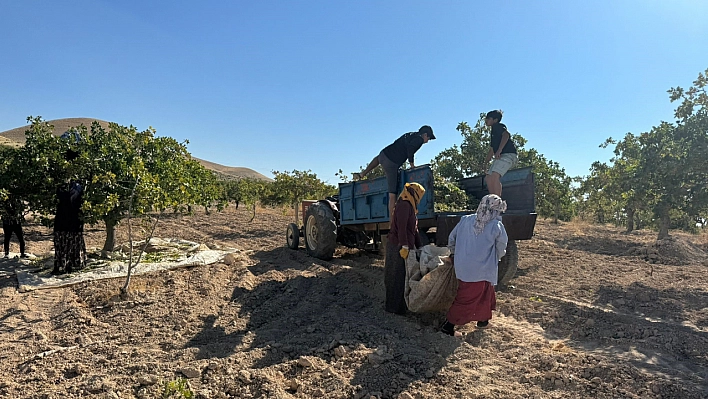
<point>413,193</point>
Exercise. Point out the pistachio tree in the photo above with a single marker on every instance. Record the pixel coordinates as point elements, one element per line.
<point>125,172</point>
<point>252,192</point>
<point>291,188</point>
<point>663,172</point>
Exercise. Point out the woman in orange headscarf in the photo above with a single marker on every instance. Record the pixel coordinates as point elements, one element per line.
<point>402,238</point>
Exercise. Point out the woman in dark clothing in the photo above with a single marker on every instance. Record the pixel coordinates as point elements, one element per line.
<point>12,224</point>
<point>402,237</point>
<point>69,246</point>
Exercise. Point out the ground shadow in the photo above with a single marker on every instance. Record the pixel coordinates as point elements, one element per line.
<point>672,305</point>
<point>615,245</point>
<point>334,308</point>
<point>530,270</point>
<point>7,281</point>
<point>641,325</point>
<point>251,233</point>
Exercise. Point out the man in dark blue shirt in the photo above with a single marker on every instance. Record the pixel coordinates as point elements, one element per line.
<point>502,149</point>
<point>393,156</point>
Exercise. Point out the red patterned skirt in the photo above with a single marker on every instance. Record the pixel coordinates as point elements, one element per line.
<point>474,302</point>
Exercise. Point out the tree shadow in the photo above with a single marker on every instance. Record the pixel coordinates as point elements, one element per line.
<point>252,233</point>
<point>326,312</point>
<point>7,281</point>
<point>615,245</point>
<point>9,314</point>
<point>671,304</point>
<point>641,325</point>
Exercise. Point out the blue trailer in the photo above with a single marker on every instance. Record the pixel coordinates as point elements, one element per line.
<point>358,217</point>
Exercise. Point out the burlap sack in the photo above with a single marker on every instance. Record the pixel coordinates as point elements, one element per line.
<point>435,290</point>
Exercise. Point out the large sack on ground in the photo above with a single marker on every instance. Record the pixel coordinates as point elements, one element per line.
<point>431,284</point>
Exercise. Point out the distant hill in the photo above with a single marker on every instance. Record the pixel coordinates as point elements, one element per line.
<point>60,126</point>
<point>16,137</point>
<point>232,172</point>
<point>4,141</point>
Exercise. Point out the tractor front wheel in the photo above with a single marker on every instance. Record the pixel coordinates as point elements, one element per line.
<point>292,235</point>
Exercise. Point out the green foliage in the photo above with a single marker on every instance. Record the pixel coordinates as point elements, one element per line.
<point>343,177</point>
<point>251,192</point>
<point>595,201</point>
<point>458,162</point>
<point>675,166</point>
<point>120,168</point>
<point>177,389</point>
<point>8,174</point>
<point>467,160</point>
<point>35,170</point>
<point>554,196</point>
<point>290,188</point>
<point>448,196</point>
<point>657,178</point>
<point>231,190</point>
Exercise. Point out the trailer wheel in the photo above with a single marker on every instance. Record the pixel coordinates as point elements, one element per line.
<point>509,263</point>
<point>293,236</point>
<point>320,231</point>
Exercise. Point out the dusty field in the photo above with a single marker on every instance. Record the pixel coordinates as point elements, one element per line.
<point>588,315</point>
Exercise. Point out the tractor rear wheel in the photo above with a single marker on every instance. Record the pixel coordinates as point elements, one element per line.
<point>292,236</point>
<point>509,263</point>
<point>320,231</point>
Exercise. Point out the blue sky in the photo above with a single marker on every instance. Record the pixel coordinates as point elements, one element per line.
<point>324,85</point>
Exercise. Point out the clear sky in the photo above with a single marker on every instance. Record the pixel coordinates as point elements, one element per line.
<point>324,85</point>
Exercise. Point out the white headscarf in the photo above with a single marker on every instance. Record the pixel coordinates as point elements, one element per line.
<point>489,208</point>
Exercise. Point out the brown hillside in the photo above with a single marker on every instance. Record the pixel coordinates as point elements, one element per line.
<point>4,141</point>
<point>16,137</point>
<point>60,126</point>
<point>232,172</point>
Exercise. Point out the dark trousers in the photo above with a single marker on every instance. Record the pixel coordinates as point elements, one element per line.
<point>8,230</point>
<point>395,280</point>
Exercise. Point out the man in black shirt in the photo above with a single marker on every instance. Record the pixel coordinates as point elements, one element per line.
<point>502,149</point>
<point>393,156</point>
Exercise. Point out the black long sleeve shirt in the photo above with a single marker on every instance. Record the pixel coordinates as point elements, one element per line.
<point>68,216</point>
<point>404,148</point>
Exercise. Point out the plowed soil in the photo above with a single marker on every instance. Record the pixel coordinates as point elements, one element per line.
<point>591,313</point>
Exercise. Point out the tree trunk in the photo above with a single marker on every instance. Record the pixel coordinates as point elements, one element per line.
<point>556,213</point>
<point>110,243</point>
<point>296,219</point>
<point>665,222</point>
<point>254,213</point>
<point>630,220</point>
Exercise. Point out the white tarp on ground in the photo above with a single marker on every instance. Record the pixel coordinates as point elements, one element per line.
<point>29,278</point>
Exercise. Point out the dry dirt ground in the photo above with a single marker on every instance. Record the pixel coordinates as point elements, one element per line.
<point>592,313</point>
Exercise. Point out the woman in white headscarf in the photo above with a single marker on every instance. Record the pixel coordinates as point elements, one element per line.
<point>476,245</point>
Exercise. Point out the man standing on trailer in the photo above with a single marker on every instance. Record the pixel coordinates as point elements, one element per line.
<point>394,156</point>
